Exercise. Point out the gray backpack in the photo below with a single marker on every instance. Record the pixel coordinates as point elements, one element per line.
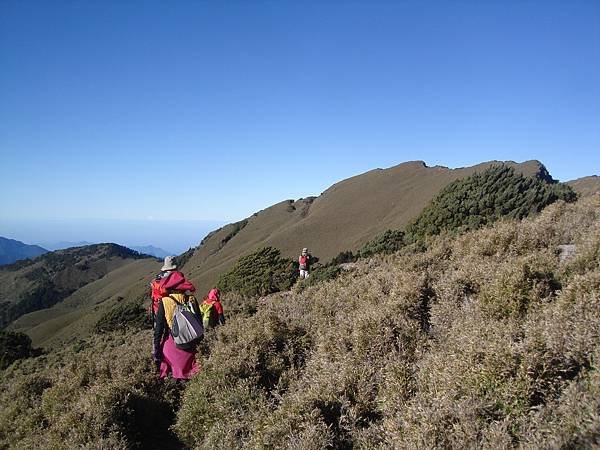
<point>187,330</point>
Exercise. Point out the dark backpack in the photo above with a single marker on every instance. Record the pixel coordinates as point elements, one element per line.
<point>187,331</point>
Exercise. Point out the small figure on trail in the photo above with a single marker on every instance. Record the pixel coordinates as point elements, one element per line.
<point>212,310</point>
<point>177,323</point>
<point>304,261</point>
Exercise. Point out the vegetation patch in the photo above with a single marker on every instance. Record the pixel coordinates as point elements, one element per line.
<point>482,340</point>
<point>45,295</point>
<point>483,198</point>
<point>386,243</point>
<point>14,346</point>
<point>260,273</point>
<point>127,314</point>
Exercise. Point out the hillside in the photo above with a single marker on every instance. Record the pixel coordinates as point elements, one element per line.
<point>344,217</point>
<point>32,285</point>
<point>71,310</point>
<point>12,250</point>
<point>75,317</point>
<point>586,185</point>
<point>483,340</point>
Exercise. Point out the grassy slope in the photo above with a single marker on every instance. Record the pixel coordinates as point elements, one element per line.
<point>344,217</point>
<point>74,318</point>
<point>92,278</point>
<point>68,269</point>
<point>586,185</point>
<point>361,207</point>
<point>485,340</point>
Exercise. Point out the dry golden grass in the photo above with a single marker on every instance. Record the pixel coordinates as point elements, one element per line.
<point>485,340</point>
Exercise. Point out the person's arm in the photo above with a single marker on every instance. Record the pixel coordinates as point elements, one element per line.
<point>160,325</point>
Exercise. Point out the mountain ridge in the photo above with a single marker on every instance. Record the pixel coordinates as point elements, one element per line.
<point>30,285</point>
<point>343,217</point>
<point>12,250</point>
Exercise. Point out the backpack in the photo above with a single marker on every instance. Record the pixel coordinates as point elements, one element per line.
<point>187,330</point>
<point>206,311</point>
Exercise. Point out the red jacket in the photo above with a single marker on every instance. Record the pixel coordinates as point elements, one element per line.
<point>213,299</point>
<point>175,281</point>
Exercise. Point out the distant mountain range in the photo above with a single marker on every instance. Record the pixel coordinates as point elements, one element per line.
<point>12,250</point>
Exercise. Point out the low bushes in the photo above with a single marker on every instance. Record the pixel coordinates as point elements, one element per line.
<point>260,273</point>
<point>127,314</point>
<point>105,396</point>
<point>14,346</point>
<point>388,242</point>
<point>483,340</point>
<point>483,198</point>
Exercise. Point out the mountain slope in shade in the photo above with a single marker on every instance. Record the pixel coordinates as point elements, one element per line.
<point>32,285</point>
<point>344,217</point>
<point>12,250</point>
<point>586,185</point>
<point>151,250</point>
<point>75,316</point>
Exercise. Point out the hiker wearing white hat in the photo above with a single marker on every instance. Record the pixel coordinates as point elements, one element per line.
<point>169,264</point>
<point>304,261</point>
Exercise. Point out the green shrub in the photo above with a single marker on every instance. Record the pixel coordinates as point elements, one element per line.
<point>249,368</point>
<point>127,314</point>
<point>260,273</point>
<point>342,258</point>
<point>483,198</point>
<point>13,346</point>
<point>388,242</point>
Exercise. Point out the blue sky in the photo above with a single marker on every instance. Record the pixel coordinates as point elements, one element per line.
<point>194,110</point>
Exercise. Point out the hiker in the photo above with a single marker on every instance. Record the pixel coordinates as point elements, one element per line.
<point>169,278</point>
<point>175,293</point>
<point>304,261</point>
<point>212,310</point>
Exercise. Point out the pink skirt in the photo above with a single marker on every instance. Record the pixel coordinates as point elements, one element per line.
<point>179,363</point>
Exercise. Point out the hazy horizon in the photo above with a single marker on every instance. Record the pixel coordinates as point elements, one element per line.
<point>173,236</point>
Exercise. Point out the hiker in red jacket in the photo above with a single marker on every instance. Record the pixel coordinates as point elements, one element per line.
<point>169,279</point>
<point>304,261</point>
<point>170,289</point>
<point>212,310</point>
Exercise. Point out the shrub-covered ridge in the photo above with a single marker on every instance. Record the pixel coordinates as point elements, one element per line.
<point>484,340</point>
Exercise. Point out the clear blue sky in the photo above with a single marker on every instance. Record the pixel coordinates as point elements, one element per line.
<point>214,110</point>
